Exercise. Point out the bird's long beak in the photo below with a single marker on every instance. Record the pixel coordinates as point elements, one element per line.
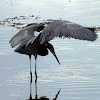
<point>51,48</point>
<point>53,52</point>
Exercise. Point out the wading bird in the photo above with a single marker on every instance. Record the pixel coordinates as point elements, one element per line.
<point>30,44</point>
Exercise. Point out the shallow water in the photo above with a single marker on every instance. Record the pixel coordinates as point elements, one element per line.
<point>78,75</point>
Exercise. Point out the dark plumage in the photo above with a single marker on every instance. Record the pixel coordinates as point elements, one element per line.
<point>30,44</point>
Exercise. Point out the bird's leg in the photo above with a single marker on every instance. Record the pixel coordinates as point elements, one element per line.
<point>30,90</point>
<point>30,67</point>
<point>36,97</point>
<point>35,68</point>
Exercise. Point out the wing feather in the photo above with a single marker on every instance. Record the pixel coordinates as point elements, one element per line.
<point>26,35</point>
<point>60,28</point>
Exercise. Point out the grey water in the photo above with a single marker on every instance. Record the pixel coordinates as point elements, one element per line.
<point>78,75</point>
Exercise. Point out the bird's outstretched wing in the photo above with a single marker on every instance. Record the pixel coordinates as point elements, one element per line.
<point>61,28</point>
<point>26,35</point>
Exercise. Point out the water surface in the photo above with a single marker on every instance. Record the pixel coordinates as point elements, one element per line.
<point>78,75</point>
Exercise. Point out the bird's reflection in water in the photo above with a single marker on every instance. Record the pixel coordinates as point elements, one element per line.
<point>36,96</point>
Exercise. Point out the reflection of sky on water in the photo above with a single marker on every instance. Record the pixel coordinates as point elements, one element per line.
<point>78,74</point>
<point>79,69</point>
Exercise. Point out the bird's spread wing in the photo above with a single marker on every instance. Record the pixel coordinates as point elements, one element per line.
<point>61,28</point>
<point>26,35</point>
